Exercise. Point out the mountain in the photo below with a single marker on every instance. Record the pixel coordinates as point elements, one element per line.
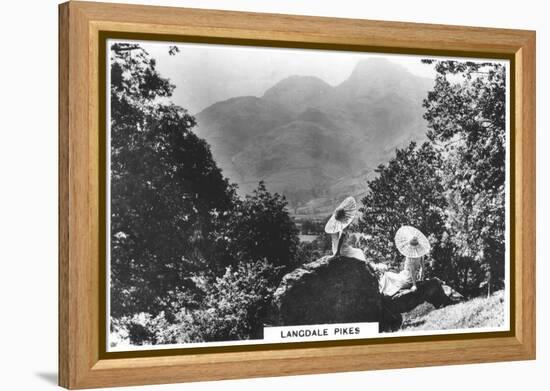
<point>230,125</point>
<point>298,93</point>
<point>314,142</point>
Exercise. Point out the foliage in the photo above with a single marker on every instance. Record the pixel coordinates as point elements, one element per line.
<point>236,305</point>
<point>407,191</point>
<point>452,187</point>
<point>145,329</point>
<point>318,248</point>
<point>176,222</point>
<point>259,228</point>
<point>166,190</point>
<point>466,117</point>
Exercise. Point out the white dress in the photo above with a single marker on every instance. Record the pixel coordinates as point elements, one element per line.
<point>346,250</point>
<point>390,283</point>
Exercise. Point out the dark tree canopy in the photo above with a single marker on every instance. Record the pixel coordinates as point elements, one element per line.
<point>175,220</point>
<point>407,191</point>
<point>453,187</point>
<point>166,190</point>
<point>466,114</point>
<point>260,228</point>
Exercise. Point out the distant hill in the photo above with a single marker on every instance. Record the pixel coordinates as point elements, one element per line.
<point>313,142</point>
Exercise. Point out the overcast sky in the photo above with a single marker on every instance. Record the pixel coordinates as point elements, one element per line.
<point>205,74</point>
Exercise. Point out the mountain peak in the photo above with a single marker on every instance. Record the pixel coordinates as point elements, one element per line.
<point>377,68</point>
<point>314,142</point>
<point>297,92</point>
<point>374,77</point>
<point>298,81</point>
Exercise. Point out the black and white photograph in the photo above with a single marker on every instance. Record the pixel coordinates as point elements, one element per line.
<point>260,195</point>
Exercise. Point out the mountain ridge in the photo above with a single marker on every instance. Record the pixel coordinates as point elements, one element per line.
<point>309,140</point>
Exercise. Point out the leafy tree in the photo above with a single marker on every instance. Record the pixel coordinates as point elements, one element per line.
<point>260,228</point>
<point>466,118</point>
<point>452,188</point>
<point>407,191</point>
<point>167,194</point>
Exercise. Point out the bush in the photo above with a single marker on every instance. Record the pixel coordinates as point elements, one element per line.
<point>236,305</point>
<point>144,329</point>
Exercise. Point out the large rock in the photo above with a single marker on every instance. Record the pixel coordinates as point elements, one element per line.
<point>329,290</point>
<point>431,291</point>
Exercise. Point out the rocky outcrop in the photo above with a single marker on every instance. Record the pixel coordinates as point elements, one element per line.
<point>329,290</point>
<point>345,290</point>
<point>432,291</point>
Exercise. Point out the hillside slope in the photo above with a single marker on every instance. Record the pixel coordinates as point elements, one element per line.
<point>305,138</point>
<point>475,313</point>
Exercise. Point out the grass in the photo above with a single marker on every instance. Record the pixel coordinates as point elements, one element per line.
<point>478,312</point>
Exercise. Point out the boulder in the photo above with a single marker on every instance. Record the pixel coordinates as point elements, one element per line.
<point>345,290</point>
<point>329,290</point>
<point>433,291</point>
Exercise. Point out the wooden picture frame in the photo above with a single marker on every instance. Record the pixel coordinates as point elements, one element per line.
<point>82,364</point>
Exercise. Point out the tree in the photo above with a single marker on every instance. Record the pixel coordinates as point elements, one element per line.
<point>167,194</point>
<point>260,228</point>
<point>466,118</point>
<point>407,191</point>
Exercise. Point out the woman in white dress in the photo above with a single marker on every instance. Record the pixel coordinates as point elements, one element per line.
<point>413,245</point>
<point>341,218</point>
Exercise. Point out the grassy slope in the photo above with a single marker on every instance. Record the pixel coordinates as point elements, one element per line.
<point>478,312</point>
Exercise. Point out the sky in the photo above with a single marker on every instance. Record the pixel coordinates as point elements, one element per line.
<point>205,74</point>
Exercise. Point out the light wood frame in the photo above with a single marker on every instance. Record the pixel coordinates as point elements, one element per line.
<point>81,364</point>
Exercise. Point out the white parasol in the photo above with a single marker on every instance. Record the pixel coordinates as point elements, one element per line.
<point>411,242</point>
<point>342,216</point>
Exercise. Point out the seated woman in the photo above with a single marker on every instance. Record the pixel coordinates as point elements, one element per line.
<point>409,241</point>
<point>413,245</point>
<point>342,217</point>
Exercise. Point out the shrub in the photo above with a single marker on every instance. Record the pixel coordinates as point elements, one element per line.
<point>145,329</point>
<point>236,305</point>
